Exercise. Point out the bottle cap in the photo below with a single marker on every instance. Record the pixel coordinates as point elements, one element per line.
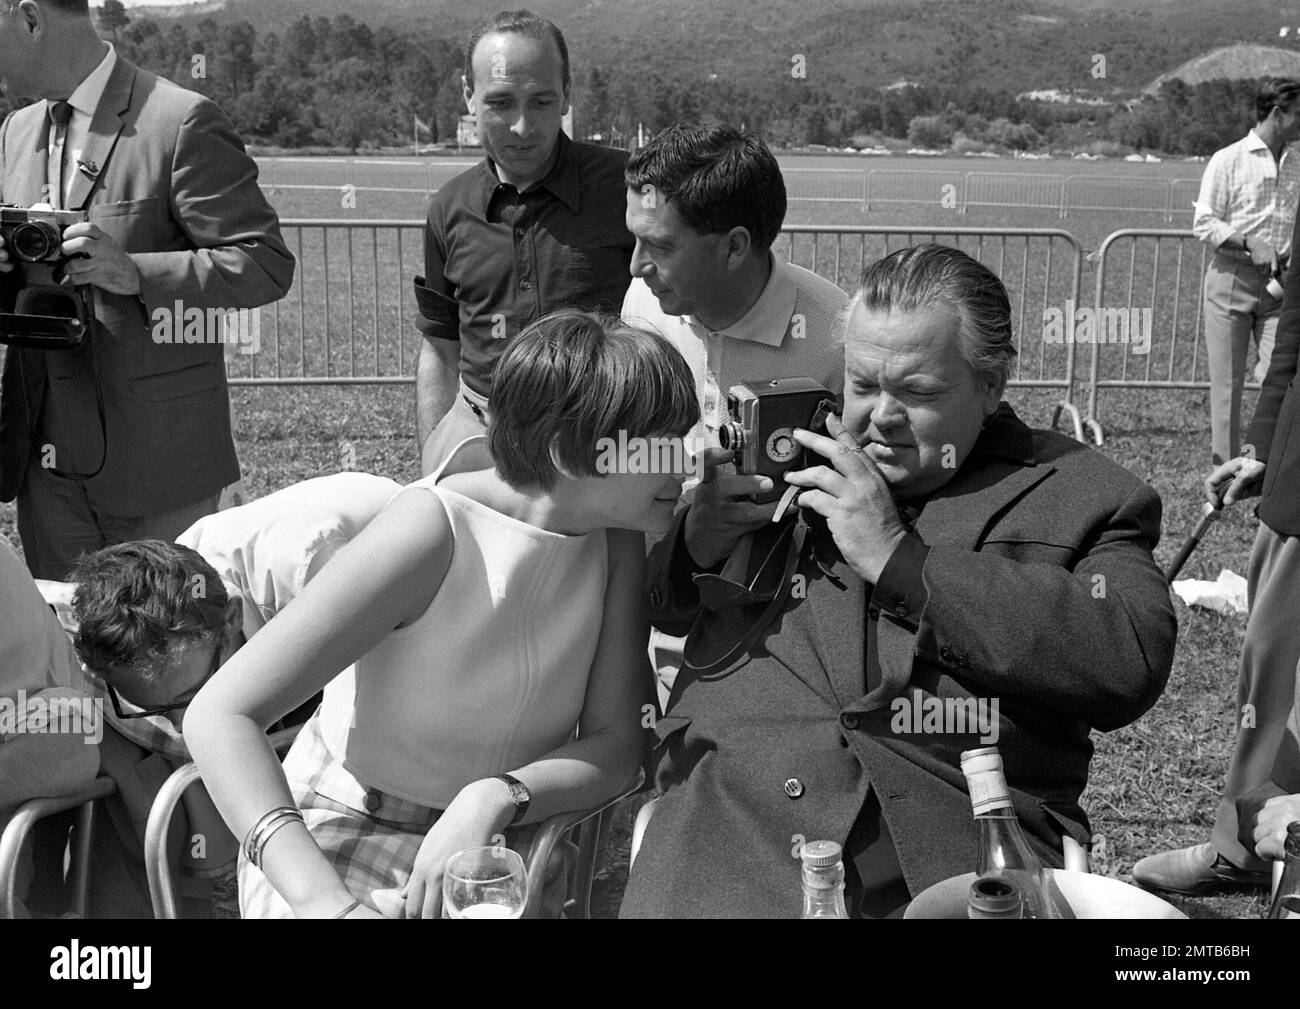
<point>993,896</point>
<point>820,854</point>
<point>986,758</point>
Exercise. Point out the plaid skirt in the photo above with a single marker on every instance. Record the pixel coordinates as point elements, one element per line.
<point>370,837</point>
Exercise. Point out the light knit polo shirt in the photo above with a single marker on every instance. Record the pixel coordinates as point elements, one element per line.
<point>791,331</point>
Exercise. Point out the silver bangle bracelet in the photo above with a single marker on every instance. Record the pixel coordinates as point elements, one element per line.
<point>250,839</point>
<point>267,829</point>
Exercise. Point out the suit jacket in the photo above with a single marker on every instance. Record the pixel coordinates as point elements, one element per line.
<point>1274,431</point>
<point>176,189</point>
<point>1040,592</point>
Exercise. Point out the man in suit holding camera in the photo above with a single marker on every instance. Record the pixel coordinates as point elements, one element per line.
<point>125,437</point>
<point>956,561</point>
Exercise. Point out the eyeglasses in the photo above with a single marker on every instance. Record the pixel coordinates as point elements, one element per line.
<point>162,709</point>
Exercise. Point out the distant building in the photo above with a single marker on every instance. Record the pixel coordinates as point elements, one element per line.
<point>1057,97</point>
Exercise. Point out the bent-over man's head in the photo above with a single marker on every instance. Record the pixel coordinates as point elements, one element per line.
<point>705,204</point>
<point>517,87</point>
<point>154,622</point>
<point>928,349</point>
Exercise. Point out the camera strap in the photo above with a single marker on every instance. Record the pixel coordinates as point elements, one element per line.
<point>725,603</point>
<point>34,421</point>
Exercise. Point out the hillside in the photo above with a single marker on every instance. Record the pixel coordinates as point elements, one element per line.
<point>1234,62</point>
<point>1014,45</point>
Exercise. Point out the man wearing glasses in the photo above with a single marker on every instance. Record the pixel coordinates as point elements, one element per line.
<point>154,621</point>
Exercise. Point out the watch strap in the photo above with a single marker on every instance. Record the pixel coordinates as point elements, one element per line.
<point>519,795</point>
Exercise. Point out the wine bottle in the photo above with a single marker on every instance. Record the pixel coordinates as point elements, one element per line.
<point>823,880</point>
<point>1004,852</point>
<point>1286,902</point>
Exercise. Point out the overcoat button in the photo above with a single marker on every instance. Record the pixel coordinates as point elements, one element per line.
<point>793,787</point>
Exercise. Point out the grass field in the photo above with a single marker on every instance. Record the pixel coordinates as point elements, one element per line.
<point>1153,785</point>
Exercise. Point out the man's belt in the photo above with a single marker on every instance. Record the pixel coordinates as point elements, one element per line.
<point>1242,256</point>
<point>478,404</point>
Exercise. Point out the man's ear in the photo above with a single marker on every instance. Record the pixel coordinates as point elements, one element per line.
<point>739,245</point>
<point>33,16</point>
<point>467,93</point>
<point>564,103</point>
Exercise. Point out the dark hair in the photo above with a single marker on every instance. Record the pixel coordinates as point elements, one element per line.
<point>717,178</point>
<point>573,378</point>
<point>520,22</point>
<point>1274,91</point>
<point>926,275</point>
<point>135,601</point>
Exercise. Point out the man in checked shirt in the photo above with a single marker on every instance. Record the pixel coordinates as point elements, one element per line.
<point>1244,212</point>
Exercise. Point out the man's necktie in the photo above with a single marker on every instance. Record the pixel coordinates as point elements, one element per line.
<point>60,113</point>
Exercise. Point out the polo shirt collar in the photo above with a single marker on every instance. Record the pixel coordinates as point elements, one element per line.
<point>768,318</point>
<point>561,181</point>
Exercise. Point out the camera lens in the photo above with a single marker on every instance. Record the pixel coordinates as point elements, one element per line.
<point>731,436</point>
<point>34,241</point>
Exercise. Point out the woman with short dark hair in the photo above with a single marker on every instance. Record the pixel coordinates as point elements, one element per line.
<point>486,613</point>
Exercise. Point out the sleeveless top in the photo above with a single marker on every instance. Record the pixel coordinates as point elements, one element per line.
<point>492,675</point>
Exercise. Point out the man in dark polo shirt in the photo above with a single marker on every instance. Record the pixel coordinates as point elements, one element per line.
<point>538,226</point>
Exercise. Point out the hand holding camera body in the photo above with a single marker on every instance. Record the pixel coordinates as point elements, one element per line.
<point>38,308</point>
<point>761,431</point>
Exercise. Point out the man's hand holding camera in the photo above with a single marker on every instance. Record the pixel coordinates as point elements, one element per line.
<point>853,497</point>
<point>721,512</point>
<point>96,258</point>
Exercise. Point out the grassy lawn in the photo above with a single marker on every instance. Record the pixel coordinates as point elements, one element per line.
<point>1153,785</point>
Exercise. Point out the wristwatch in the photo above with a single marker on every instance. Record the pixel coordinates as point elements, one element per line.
<point>518,795</point>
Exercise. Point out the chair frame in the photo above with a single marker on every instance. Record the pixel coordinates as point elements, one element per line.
<point>589,825</point>
<point>18,830</point>
<point>587,822</point>
<point>162,877</point>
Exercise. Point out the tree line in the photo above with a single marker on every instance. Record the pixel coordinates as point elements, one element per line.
<point>336,82</point>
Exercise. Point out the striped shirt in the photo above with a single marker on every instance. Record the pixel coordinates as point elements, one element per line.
<point>1245,192</point>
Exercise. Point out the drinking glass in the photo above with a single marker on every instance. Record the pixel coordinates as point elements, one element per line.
<point>485,882</point>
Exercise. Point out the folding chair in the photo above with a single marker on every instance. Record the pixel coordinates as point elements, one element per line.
<point>588,826</point>
<point>15,835</point>
<point>162,877</point>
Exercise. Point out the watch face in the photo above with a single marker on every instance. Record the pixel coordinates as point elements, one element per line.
<point>519,793</point>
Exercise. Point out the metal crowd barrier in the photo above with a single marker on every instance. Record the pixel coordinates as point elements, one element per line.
<point>1158,274</point>
<point>350,317</point>
<point>868,187</point>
